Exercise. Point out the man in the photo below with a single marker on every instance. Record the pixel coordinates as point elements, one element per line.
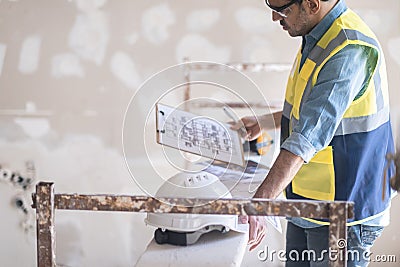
<point>335,128</point>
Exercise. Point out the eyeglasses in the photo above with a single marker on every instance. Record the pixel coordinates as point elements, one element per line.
<point>281,9</point>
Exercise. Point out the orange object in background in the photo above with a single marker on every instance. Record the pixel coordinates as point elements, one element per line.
<point>264,143</point>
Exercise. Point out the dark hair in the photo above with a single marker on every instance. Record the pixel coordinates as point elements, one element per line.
<point>300,1</point>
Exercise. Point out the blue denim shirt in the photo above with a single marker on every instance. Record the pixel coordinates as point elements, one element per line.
<point>342,79</point>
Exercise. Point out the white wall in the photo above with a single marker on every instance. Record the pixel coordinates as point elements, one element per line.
<point>67,72</point>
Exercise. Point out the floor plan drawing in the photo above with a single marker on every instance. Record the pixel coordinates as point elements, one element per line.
<point>200,135</point>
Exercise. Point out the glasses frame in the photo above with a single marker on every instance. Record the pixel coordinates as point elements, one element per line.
<point>280,9</point>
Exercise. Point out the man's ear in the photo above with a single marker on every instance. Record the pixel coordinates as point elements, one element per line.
<point>313,6</point>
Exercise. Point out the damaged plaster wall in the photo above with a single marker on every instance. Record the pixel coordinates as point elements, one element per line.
<point>67,71</point>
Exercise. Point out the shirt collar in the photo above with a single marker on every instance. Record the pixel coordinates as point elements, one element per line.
<point>320,29</point>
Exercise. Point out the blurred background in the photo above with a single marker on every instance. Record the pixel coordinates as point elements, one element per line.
<point>68,69</point>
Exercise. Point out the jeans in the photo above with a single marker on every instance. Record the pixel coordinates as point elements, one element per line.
<point>309,246</point>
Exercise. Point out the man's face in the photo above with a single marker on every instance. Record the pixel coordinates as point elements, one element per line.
<point>293,19</point>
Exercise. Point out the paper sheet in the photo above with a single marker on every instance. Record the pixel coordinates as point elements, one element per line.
<point>199,135</point>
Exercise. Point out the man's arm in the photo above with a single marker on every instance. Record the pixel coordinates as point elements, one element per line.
<point>271,121</point>
<point>281,174</point>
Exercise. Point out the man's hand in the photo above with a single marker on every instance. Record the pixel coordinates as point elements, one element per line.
<point>257,229</point>
<point>254,124</point>
<point>253,128</point>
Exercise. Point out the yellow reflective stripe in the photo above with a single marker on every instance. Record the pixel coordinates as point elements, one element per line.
<point>349,223</point>
<point>360,42</point>
<point>351,20</point>
<point>318,69</point>
<point>363,124</point>
<point>329,35</point>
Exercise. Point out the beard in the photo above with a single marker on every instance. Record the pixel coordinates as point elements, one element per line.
<point>301,27</point>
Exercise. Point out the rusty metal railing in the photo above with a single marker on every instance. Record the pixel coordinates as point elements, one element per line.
<point>46,202</point>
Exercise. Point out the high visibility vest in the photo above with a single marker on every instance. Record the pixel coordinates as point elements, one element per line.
<point>352,167</point>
